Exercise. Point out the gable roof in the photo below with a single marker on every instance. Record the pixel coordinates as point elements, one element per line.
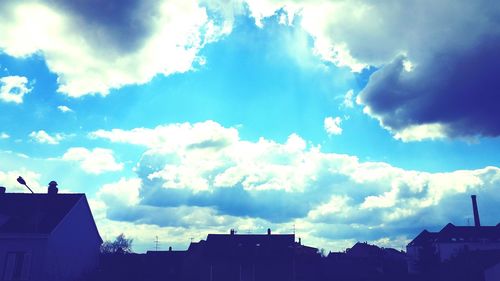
<point>25,213</point>
<point>469,233</point>
<point>424,237</point>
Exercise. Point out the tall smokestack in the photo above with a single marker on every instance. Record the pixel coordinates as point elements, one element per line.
<point>477,223</point>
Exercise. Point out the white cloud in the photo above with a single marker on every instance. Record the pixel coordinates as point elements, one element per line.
<point>332,125</point>
<point>126,191</point>
<point>43,137</point>
<point>13,88</point>
<point>8,179</point>
<point>172,136</point>
<point>421,132</point>
<point>95,161</point>
<point>4,136</point>
<point>332,198</point>
<point>136,44</point>
<point>64,108</point>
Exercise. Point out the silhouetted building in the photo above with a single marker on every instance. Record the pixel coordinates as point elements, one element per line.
<point>47,236</point>
<point>364,261</point>
<point>164,265</point>
<point>364,250</point>
<point>250,257</point>
<point>452,240</point>
<point>492,273</point>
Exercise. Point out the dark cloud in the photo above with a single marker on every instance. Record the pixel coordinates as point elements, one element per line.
<point>121,24</point>
<point>457,88</point>
<point>272,205</point>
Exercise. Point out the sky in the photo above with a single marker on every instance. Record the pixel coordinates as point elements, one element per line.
<point>340,121</point>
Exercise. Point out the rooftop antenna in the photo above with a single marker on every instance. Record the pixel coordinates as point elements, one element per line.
<point>156,243</point>
<point>21,181</point>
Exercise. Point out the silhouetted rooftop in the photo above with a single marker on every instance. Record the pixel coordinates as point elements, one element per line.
<point>277,240</point>
<point>452,233</point>
<point>25,213</point>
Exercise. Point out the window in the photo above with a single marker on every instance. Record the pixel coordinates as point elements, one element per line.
<point>17,266</point>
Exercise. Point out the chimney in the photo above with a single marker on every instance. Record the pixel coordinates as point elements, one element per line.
<point>300,241</point>
<point>477,223</point>
<point>2,190</point>
<point>53,188</point>
<point>231,231</point>
<point>170,249</point>
<point>268,231</point>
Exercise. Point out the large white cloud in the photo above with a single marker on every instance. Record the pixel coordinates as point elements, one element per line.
<point>95,46</point>
<point>329,197</point>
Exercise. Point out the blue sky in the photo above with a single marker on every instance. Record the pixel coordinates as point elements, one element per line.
<point>182,118</point>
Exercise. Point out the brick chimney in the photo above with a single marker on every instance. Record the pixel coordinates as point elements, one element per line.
<point>477,222</point>
<point>53,188</point>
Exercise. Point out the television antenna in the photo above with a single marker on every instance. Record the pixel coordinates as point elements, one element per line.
<point>156,243</point>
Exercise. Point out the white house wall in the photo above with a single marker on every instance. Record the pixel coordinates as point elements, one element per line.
<point>448,250</point>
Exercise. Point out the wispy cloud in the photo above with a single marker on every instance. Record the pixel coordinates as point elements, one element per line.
<point>64,108</point>
<point>348,101</point>
<point>4,135</point>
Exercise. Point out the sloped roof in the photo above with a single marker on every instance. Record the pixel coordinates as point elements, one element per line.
<point>25,213</point>
<point>364,249</point>
<point>423,238</point>
<point>469,233</point>
<point>249,244</point>
<point>452,233</point>
<point>276,240</point>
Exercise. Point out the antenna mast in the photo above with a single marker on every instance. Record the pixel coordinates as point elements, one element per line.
<point>156,243</point>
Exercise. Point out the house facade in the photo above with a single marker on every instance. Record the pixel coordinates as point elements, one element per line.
<point>47,237</point>
<point>451,240</point>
